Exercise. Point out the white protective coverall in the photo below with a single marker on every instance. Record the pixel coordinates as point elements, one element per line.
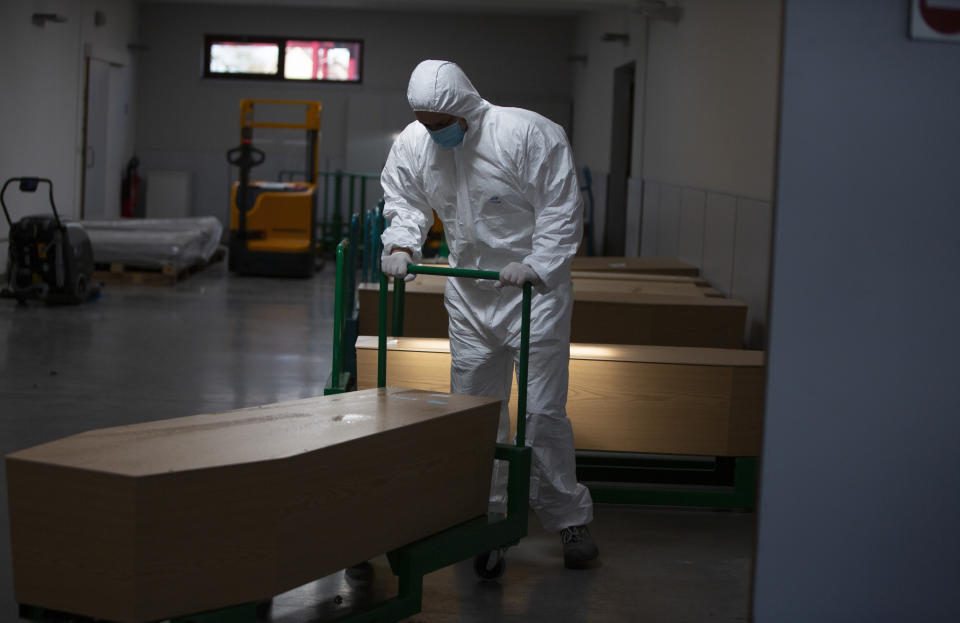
<point>507,193</point>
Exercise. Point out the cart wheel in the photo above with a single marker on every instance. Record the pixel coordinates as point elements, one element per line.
<point>490,565</point>
<point>79,288</point>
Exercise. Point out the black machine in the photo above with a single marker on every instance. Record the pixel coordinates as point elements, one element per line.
<point>48,259</point>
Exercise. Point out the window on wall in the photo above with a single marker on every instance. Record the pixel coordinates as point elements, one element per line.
<point>279,58</point>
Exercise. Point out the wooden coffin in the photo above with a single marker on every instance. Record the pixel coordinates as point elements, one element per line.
<point>643,283</point>
<point>591,274</point>
<point>145,522</point>
<point>658,320</point>
<point>651,265</point>
<point>666,400</point>
<point>629,286</point>
<point>600,316</point>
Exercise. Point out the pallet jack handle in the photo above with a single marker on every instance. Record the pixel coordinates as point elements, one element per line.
<point>28,185</point>
<point>420,269</point>
<point>246,156</point>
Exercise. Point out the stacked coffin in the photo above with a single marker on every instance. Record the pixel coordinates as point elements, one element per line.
<point>657,361</point>
<point>605,311</point>
<point>657,399</point>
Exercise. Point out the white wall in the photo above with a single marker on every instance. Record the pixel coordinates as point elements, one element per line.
<point>593,99</point>
<point>42,70</point>
<point>712,97</point>
<point>726,236</point>
<point>704,137</point>
<point>188,122</point>
<point>593,83</point>
<point>859,503</point>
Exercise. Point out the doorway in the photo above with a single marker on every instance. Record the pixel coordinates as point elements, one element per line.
<point>621,148</point>
<point>105,134</point>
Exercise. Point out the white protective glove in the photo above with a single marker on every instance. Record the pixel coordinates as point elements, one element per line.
<point>516,274</point>
<point>395,265</point>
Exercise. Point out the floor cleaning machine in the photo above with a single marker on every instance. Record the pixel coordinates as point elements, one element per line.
<point>48,259</point>
<point>273,224</point>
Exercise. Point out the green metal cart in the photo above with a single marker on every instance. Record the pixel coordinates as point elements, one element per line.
<point>484,538</point>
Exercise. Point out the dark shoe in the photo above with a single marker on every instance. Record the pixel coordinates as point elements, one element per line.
<point>578,547</point>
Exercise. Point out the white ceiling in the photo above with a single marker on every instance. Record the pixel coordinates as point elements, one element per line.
<point>549,7</point>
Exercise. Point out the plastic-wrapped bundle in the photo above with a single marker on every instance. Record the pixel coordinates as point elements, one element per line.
<point>154,243</point>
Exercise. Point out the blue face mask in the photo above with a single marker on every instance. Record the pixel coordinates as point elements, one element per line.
<point>450,136</point>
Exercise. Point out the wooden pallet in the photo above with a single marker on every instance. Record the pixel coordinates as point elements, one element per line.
<point>166,275</point>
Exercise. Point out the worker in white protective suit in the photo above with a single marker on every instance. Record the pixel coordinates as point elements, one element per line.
<point>504,184</point>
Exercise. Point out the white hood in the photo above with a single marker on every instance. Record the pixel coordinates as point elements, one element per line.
<point>441,86</point>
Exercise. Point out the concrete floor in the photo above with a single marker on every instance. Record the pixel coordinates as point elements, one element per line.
<point>216,342</point>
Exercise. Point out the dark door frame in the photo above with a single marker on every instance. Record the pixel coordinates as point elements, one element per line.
<point>621,149</point>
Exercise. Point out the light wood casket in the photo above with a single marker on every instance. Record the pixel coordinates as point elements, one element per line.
<point>618,314</point>
<point>145,522</point>
<point>596,275</point>
<point>649,265</point>
<point>667,400</point>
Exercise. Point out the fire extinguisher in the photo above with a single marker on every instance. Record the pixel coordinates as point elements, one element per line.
<point>130,188</point>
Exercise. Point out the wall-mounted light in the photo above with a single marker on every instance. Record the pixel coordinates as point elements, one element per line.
<point>39,19</point>
<point>623,37</point>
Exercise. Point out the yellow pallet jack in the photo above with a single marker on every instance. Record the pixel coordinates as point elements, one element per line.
<point>273,224</point>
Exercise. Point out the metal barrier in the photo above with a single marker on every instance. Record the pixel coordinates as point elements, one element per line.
<point>373,227</point>
<point>337,214</point>
<point>358,252</point>
<point>374,224</point>
<point>339,378</point>
<point>343,371</point>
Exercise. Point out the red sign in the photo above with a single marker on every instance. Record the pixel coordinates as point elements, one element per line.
<point>937,20</point>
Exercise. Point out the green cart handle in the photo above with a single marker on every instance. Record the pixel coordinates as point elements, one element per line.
<point>419,269</point>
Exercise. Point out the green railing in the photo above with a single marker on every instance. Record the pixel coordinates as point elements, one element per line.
<point>339,379</point>
<point>343,366</point>
<point>364,243</point>
<point>373,226</point>
<point>337,213</point>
